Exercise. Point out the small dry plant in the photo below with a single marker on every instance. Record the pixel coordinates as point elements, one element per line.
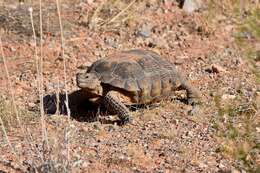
<point>111,14</point>
<point>236,128</point>
<point>43,156</point>
<point>244,16</point>
<point>14,108</point>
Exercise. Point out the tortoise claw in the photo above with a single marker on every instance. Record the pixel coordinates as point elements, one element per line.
<point>125,121</point>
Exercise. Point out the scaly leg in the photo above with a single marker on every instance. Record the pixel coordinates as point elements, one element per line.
<point>193,95</point>
<point>115,105</point>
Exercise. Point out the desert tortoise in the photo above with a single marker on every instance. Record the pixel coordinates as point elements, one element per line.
<point>132,77</point>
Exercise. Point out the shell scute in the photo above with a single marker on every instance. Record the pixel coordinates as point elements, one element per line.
<point>156,87</point>
<point>127,70</point>
<point>145,89</point>
<point>131,85</point>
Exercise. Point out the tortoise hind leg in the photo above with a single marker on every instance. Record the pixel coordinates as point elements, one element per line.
<point>113,104</point>
<point>193,95</point>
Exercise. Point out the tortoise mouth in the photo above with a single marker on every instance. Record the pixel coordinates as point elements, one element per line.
<point>90,88</point>
<point>88,85</point>
<point>84,84</point>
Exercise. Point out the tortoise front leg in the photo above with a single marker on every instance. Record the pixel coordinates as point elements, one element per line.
<point>113,104</point>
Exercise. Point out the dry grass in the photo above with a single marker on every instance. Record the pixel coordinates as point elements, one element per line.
<point>236,126</point>
<point>113,14</point>
<point>6,113</point>
<point>244,16</point>
<point>237,121</point>
<point>248,38</point>
<point>43,158</point>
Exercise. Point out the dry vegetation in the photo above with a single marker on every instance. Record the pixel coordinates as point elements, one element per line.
<point>42,47</point>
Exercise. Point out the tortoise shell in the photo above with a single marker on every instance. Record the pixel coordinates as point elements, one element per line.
<point>141,75</point>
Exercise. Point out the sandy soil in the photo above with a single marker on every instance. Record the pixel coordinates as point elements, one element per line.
<point>161,139</point>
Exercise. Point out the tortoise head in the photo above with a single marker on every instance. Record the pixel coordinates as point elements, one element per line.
<point>90,83</point>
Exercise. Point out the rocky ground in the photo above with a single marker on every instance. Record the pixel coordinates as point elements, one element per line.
<point>206,45</point>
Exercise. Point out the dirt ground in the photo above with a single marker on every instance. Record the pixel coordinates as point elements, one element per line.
<point>223,136</point>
